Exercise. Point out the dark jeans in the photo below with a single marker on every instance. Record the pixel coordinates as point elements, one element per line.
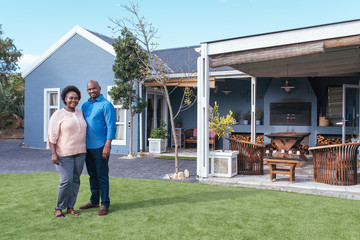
<point>98,170</point>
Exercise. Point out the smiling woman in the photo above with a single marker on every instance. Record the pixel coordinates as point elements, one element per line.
<point>67,137</point>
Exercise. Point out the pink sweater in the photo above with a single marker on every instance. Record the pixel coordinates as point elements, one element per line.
<point>68,131</point>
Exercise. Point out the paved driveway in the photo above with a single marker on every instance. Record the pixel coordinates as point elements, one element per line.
<point>16,159</point>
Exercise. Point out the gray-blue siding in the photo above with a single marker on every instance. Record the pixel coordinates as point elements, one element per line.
<point>74,63</point>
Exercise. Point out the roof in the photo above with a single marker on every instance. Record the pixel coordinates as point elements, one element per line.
<point>179,60</point>
<point>317,51</point>
<point>283,31</point>
<point>107,39</point>
<point>184,59</point>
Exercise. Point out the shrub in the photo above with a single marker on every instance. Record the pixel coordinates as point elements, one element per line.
<point>160,132</point>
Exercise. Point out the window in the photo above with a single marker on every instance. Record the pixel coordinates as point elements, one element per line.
<point>51,104</point>
<point>334,108</point>
<point>120,116</point>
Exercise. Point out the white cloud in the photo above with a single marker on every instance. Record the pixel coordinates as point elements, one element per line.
<point>26,60</point>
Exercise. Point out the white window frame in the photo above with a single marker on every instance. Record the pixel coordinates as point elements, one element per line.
<point>116,141</point>
<point>47,92</point>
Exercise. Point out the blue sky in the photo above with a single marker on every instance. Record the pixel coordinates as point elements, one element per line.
<point>37,24</point>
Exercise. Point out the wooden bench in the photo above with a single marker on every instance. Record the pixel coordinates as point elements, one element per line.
<point>335,164</point>
<point>273,163</point>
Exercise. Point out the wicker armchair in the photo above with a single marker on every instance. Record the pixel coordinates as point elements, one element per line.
<point>250,157</point>
<point>335,164</point>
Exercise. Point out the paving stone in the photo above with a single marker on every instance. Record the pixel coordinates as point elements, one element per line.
<point>16,159</point>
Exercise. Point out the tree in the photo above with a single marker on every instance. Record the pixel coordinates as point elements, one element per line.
<point>157,68</point>
<point>9,56</point>
<point>130,70</point>
<point>221,125</point>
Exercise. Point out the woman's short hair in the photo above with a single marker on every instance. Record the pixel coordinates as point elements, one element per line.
<point>70,89</point>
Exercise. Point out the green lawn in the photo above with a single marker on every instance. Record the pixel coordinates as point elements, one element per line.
<point>148,209</point>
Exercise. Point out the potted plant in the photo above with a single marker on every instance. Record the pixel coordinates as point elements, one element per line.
<point>223,163</point>
<point>258,115</point>
<point>157,140</point>
<point>236,116</point>
<point>246,118</point>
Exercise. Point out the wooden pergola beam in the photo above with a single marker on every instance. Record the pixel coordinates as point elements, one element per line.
<point>342,42</point>
<point>180,82</point>
<point>282,52</point>
<point>311,59</point>
<point>269,54</point>
<point>292,70</point>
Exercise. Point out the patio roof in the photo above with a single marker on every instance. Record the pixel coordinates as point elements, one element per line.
<point>325,50</point>
<point>318,51</point>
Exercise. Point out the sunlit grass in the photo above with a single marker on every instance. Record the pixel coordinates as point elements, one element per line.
<point>150,209</point>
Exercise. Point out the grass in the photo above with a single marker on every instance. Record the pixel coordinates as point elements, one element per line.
<point>149,209</point>
<point>179,157</point>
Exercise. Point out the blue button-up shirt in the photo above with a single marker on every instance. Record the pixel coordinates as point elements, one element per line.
<point>100,118</point>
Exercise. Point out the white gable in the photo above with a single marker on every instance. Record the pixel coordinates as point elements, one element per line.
<point>75,30</point>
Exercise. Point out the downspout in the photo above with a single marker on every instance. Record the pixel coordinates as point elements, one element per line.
<point>140,121</point>
<point>253,109</point>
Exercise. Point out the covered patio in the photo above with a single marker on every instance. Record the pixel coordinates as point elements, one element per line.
<point>315,58</point>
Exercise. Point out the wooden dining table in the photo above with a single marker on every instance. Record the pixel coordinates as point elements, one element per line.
<point>287,141</point>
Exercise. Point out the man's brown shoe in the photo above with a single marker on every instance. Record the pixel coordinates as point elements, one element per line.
<point>103,211</point>
<point>89,205</point>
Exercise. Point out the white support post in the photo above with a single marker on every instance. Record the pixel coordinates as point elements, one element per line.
<point>202,113</point>
<point>343,127</point>
<point>253,109</point>
<point>155,111</point>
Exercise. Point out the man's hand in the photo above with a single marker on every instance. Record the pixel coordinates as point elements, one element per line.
<point>106,152</point>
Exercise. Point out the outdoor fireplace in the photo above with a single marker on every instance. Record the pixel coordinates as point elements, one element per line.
<point>290,113</point>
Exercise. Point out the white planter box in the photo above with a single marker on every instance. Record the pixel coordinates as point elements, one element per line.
<point>157,145</point>
<point>223,164</point>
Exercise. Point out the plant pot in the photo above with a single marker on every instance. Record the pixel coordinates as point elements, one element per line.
<point>258,122</point>
<point>223,164</point>
<point>246,122</point>
<point>157,145</point>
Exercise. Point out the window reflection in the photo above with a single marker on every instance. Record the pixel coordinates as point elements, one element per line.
<point>119,132</point>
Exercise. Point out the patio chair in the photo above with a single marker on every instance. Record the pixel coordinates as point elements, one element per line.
<point>190,136</point>
<point>250,157</point>
<point>335,164</point>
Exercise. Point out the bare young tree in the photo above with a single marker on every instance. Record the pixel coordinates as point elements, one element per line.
<point>157,68</point>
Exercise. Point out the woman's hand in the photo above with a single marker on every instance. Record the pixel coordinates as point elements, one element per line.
<point>55,159</point>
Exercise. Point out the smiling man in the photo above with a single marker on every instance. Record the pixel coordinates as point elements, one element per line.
<point>99,115</point>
